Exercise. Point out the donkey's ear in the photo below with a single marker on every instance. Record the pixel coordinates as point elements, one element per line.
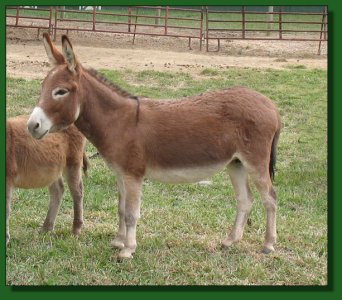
<point>55,57</point>
<point>69,54</point>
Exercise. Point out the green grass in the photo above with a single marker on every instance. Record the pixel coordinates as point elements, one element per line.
<point>296,67</point>
<point>181,226</point>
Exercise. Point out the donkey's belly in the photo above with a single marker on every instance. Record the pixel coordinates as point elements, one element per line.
<point>37,179</point>
<point>183,175</point>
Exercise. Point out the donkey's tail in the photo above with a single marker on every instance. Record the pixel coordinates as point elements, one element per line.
<point>273,157</point>
<point>85,164</point>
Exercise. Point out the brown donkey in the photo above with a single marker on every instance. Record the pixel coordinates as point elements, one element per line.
<point>170,141</point>
<point>34,164</point>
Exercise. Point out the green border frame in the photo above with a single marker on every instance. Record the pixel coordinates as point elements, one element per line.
<point>334,189</point>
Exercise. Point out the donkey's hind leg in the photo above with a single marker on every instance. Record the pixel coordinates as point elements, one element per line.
<point>9,189</point>
<point>133,188</point>
<point>56,191</point>
<point>75,183</point>
<point>264,185</point>
<point>239,177</point>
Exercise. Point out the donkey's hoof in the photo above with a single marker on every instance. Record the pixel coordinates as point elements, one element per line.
<point>125,253</point>
<point>77,227</point>
<point>267,250</point>
<point>227,243</point>
<point>117,243</point>
<point>76,230</point>
<point>46,228</point>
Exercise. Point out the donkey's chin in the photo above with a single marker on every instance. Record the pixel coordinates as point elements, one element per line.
<point>39,135</point>
<point>42,135</point>
<point>56,128</point>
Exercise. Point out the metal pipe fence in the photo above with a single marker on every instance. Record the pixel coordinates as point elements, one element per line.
<point>203,24</point>
<point>291,26</point>
<point>42,20</point>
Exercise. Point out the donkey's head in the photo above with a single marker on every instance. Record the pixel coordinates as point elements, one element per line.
<point>58,105</point>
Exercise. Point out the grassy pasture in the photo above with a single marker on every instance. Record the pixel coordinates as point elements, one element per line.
<point>182,225</point>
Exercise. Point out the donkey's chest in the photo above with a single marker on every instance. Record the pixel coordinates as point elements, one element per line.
<point>184,174</point>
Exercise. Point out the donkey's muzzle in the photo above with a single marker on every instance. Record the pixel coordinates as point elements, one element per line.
<point>38,124</point>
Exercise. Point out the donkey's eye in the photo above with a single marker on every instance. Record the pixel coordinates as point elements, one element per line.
<point>58,93</point>
<point>61,92</point>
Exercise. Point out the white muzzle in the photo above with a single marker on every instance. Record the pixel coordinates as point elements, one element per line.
<point>38,124</point>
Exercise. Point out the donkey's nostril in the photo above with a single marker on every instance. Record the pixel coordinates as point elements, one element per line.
<point>36,126</point>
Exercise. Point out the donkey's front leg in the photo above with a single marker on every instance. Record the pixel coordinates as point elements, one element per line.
<point>133,188</point>
<point>119,240</point>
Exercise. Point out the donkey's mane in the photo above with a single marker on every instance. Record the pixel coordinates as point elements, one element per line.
<point>114,87</point>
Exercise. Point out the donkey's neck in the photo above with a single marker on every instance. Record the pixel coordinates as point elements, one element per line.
<point>104,114</point>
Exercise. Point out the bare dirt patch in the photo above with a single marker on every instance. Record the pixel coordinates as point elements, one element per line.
<point>25,55</point>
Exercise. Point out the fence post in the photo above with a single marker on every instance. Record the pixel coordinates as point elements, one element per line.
<point>17,17</point>
<point>243,22</point>
<point>323,28</point>
<point>325,11</point>
<point>270,20</point>
<point>206,27</point>
<point>50,21</point>
<point>135,24</point>
<point>166,19</point>
<point>129,18</point>
<point>201,29</point>
<point>280,23</point>
<point>56,18</point>
<point>94,17</point>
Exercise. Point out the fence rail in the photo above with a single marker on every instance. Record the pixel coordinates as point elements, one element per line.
<point>203,24</point>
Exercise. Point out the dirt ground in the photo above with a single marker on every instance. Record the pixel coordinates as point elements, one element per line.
<point>25,54</point>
